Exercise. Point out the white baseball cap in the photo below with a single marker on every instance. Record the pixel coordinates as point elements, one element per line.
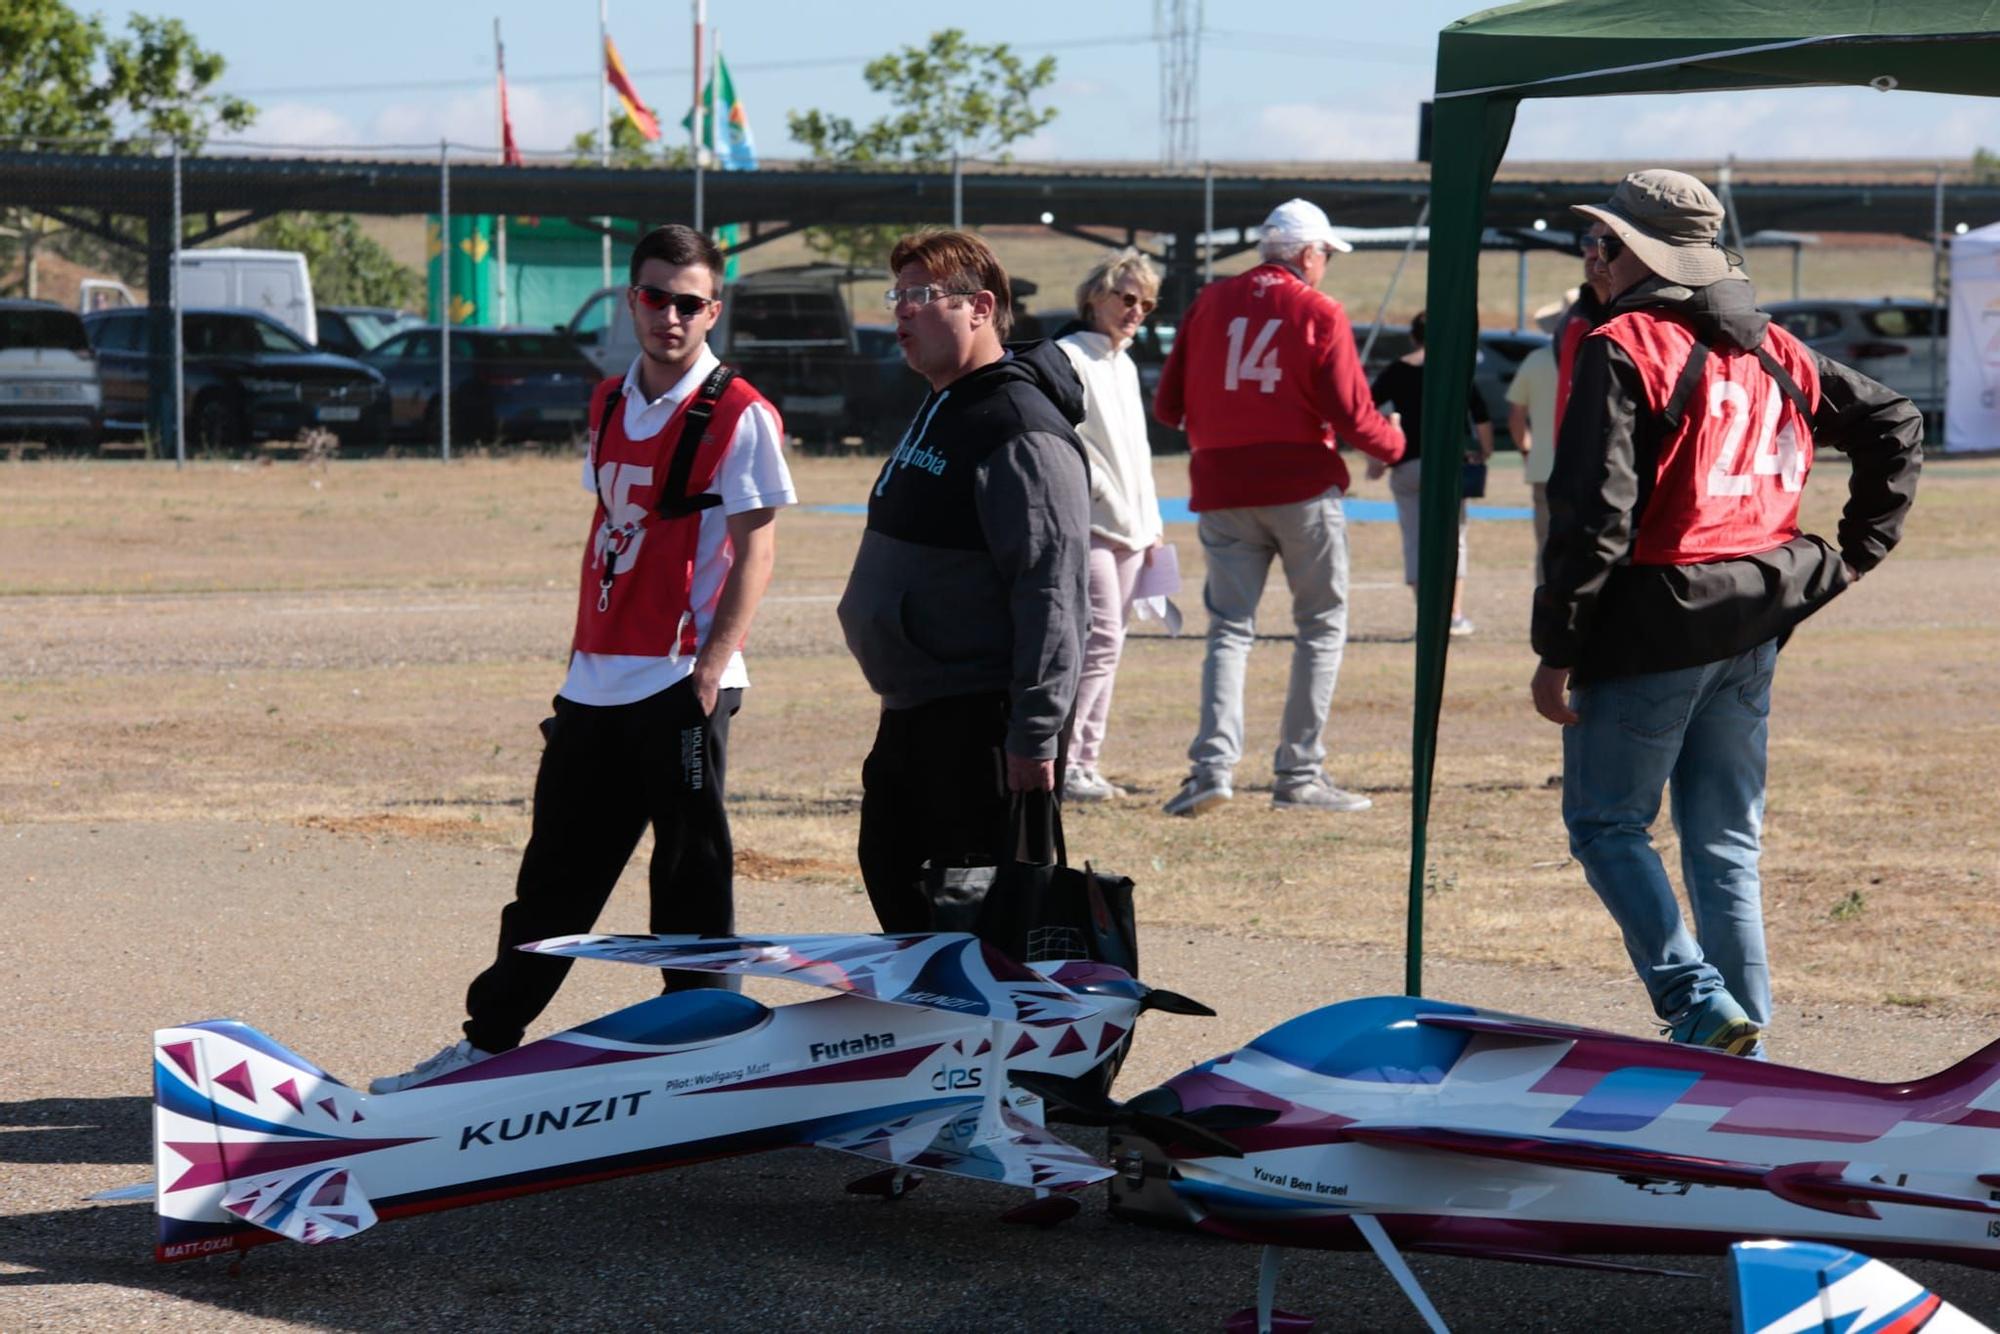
<point>1298,221</point>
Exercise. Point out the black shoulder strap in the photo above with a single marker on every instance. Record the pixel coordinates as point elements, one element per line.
<point>675,502</point>
<point>612,402</point>
<point>1676,409</point>
<point>1786,384</point>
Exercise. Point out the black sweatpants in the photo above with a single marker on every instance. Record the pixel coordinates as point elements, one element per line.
<point>934,788</point>
<point>607,772</point>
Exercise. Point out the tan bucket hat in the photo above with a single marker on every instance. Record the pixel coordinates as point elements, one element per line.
<point>1671,221</point>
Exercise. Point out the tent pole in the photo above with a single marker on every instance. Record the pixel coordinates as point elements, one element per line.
<point>1937,287</point>
<point>1797,250</point>
<point>1521,289</point>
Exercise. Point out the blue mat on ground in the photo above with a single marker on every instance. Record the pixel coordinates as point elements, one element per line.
<point>1174,509</point>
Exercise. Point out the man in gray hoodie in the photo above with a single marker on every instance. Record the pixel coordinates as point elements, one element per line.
<point>968,601</point>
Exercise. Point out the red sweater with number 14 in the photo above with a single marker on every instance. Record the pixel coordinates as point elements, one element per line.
<point>1263,376</point>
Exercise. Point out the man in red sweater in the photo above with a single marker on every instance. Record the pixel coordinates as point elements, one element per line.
<point>1262,376</point>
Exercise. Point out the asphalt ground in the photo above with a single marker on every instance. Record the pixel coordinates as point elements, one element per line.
<point>354,949</point>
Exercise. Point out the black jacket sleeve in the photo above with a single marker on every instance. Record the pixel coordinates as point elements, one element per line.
<point>1594,498</point>
<point>1882,432</point>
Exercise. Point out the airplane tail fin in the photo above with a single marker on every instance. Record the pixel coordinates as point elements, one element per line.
<point>1978,1075</point>
<point>251,1142</point>
<point>1791,1285</point>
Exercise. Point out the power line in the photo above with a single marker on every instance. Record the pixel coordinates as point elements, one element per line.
<point>662,72</point>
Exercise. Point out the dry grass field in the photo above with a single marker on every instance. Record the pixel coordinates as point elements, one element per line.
<point>367,647</point>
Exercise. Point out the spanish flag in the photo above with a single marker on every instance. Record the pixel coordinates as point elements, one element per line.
<point>636,111</point>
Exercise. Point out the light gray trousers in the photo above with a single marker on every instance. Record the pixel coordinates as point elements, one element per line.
<point>1309,539</point>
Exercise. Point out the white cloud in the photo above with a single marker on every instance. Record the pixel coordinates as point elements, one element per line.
<point>303,123</point>
<point>1761,126</point>
<point>1319,131</point>
<point>542,122</point>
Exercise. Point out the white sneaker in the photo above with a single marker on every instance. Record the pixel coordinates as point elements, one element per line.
<point>1198,793</point>
<point>1318,794</point>
<point>1461,626</point>
<point>1082,783</point>
<point>457,1056</point>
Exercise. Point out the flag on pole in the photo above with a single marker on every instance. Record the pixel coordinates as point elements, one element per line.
<point>510,152</point>
<point>738,151</point>
<point>636,111</point>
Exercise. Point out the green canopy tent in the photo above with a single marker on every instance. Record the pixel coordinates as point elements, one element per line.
<point>1582,48</point>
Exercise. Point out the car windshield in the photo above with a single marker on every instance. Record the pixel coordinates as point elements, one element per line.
<point>787,317</point>
<point>523,347</point>
<point>372,328</point>
<point>1899,321</point>
<point>41,328</point>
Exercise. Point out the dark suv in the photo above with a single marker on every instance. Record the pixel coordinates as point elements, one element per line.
<point>506,384</point>
<point>245,377</point>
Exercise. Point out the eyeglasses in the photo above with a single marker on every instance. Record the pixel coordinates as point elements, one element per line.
<point>1144,304</point>
<point>686,304</point>
<point>920,296</point>
<point>1609,247</point>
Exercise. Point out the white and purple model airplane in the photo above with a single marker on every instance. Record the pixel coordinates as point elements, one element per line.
<point>1399,1122</point>
<point>1802,1287</point>
<point>906,1066</point>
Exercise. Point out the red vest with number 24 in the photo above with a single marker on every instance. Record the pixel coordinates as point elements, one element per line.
<point>647,611</point>
<point>1728,478</point>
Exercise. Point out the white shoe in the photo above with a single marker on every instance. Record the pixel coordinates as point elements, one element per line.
<point>452,1059</point>
<point>1319,794</point>
<point>1198,793</point>
<point>1083,783</point>
<point>1461,626</point>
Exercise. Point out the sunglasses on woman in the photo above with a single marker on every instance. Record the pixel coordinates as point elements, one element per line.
<point>1144,304</point>
<point>686,304</point>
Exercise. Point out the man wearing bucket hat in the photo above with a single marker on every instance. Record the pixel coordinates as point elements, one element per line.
<point>1262,376</point>
<point>1676,570</point>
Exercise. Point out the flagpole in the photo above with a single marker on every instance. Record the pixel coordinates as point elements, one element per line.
<point>604,125</point>
<point>500,109</point>
<point>694,123</point>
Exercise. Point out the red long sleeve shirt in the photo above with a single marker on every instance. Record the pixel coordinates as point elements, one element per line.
<point>1263,375</point>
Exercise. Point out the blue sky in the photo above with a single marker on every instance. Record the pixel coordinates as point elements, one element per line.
<point>1285,79</point>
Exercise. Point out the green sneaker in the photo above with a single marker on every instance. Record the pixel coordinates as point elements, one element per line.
<point>1717,1022</point>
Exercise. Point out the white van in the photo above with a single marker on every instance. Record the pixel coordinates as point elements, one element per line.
<point>275,282</point>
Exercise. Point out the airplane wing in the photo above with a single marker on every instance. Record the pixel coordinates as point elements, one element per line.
<point>953,972</point>
<point>1021,1154</point>
<point>1794,1287</point>
<point>1810,1185</point>
<point>308,1204</point>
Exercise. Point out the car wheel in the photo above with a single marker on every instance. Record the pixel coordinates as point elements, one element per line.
<point>214,428</point>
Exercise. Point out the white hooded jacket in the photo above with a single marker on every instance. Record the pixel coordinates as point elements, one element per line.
<point>1124,507</point>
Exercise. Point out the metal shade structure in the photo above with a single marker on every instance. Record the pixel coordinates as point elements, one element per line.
<point>1486,65</point>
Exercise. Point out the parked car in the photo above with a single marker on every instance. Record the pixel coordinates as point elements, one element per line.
<point>1887,340</point>
<point>351,331</point>
<point>506,384</point>
<point>245,377</point>
<point>273,282</point>
<point>48,376</point>
<point>788,330</point>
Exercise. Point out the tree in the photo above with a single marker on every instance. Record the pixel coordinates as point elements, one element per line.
<point>348,267</point>
<point>949,96</point>
<point>64,78</point>
<point>1985,166</point>
<point>629,148</point>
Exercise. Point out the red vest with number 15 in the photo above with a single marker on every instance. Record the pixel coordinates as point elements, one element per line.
<point>648,610</point>
<point>1728,478</point>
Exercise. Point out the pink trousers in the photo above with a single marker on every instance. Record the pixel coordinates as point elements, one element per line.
<point>1113,571</point>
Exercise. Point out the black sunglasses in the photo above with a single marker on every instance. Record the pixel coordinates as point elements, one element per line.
<point>1609,247</point>
<point>686,304</point>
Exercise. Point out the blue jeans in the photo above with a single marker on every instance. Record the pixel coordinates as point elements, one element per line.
<point>1702,731</point>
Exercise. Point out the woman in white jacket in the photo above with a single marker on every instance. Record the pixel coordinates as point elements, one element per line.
<point>1112,301</point>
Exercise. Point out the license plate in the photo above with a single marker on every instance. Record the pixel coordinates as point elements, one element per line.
<point>41,393</point>
<point>340,414</point>
<point>562,414</point>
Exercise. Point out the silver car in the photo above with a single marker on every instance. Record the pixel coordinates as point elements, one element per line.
<point>1887,340</point>
<point>49,388</point>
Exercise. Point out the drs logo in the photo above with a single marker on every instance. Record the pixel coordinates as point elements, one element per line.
<point>948,1079</point>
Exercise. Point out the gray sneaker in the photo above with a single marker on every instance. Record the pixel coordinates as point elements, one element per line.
<point>1198,793</point>
<point>454,1058</point>
<point>1318,794</point>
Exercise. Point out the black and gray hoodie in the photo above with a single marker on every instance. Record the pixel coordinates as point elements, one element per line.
<point>972,575</point>
<point>1602,616</point>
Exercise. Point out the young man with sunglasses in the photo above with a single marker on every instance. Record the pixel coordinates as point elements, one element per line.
<point>967,604</point>
<point>1262,376</point>
<point>1675,571</point>
<point>687,472</point>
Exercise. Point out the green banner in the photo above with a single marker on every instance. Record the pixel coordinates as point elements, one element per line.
<point>475,267</point>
